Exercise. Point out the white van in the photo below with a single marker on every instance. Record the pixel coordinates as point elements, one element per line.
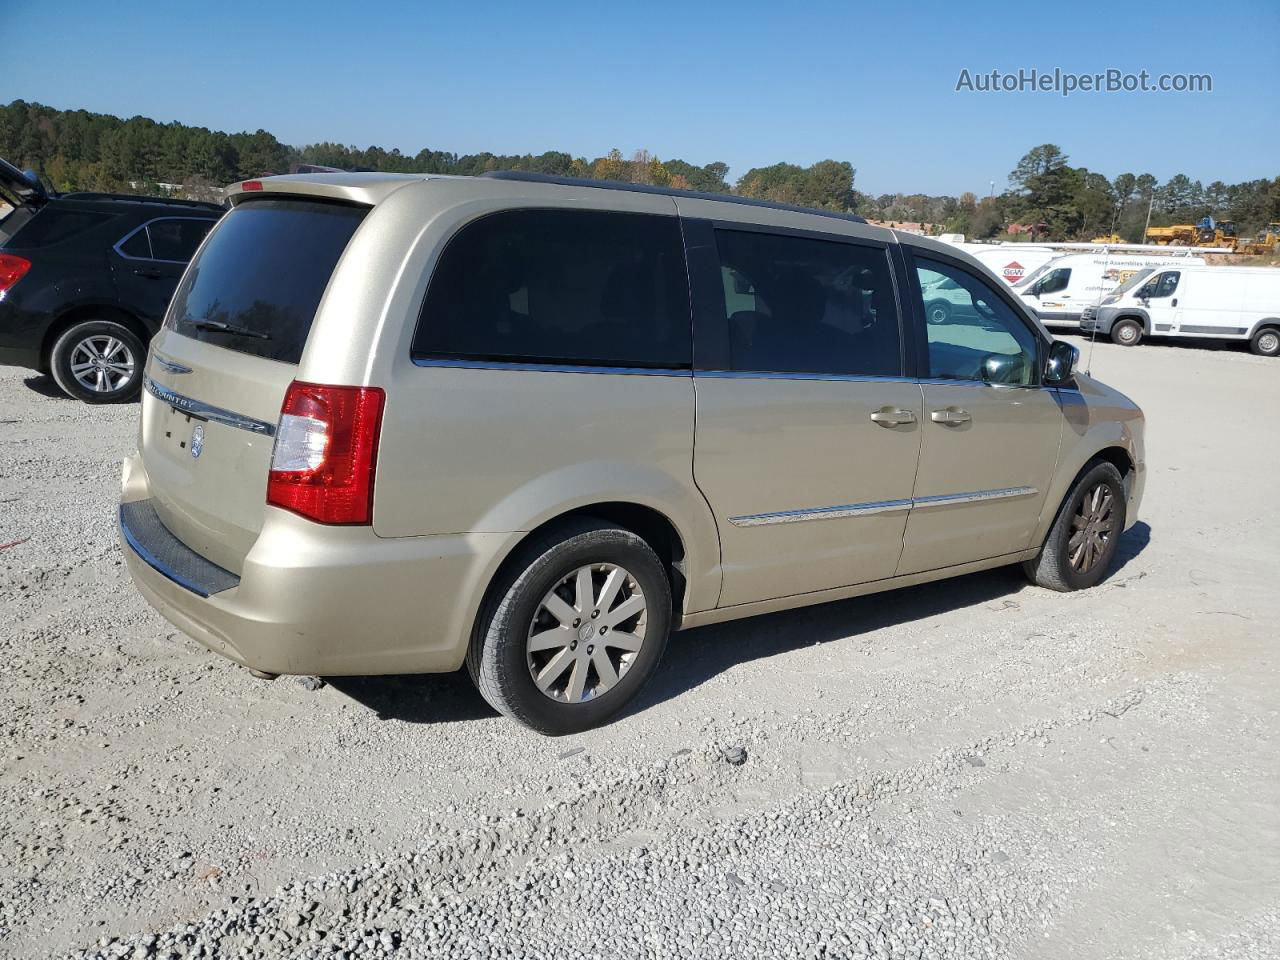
<point>1014,262</point>
<point>1062,287</point>
<point>1226,303</point>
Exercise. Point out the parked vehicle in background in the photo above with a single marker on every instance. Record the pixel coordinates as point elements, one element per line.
<point>1061,289</point>
<point>397,423</point>
<point>1013,262</point>
<point>85,279</point>
<point>1221,303</point>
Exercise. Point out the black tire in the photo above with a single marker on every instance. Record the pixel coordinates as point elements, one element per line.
<point>1053,568</point>
<point>937,312</point>
<point>79,342</point>
<point>1266,342</point>
<point>498,660</point>
<point>1127,333</point>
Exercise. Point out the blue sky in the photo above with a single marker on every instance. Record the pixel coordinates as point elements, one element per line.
<point>746,83</point>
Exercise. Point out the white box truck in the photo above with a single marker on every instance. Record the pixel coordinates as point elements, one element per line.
<point>1221,303</point>
<point>1060,289</point>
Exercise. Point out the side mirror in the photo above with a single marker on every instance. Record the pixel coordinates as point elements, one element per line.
<point>1061,365</point>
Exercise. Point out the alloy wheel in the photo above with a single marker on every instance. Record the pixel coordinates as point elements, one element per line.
<point>586,633</point>
<point>102,363</point>
<point>1091,528</point>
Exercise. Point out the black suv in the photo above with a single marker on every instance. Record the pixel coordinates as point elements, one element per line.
<point>85,279</point>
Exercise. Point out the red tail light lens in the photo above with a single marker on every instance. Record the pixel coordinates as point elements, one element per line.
<point>325,453</point>
<point>251,185</point>
<point>12,269</point>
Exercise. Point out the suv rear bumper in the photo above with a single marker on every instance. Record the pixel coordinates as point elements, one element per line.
<point>310,599</point>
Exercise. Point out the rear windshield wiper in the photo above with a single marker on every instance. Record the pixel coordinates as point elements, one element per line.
<point>217,326</point>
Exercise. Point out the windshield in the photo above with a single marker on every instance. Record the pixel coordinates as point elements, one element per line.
<point>1134,279</point>
<point>1033,276</point>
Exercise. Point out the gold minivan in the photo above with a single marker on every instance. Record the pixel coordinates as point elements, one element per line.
<point>399,423</point>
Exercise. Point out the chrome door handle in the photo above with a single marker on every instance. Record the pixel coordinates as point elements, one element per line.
<point>950,417</point>
<point>892,417</point>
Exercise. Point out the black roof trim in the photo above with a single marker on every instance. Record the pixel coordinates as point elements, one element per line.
<point>139,198</point>
<point>665,191</point>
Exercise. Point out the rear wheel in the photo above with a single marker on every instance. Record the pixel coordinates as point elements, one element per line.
<point>1127,333</point>
<point>937,312</point>
<point>98,361</point>
<point>573,630</point>
<point>1082,542</point>
<point>1266,343</point>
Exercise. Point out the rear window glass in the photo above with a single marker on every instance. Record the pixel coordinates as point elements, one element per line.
<point>257,283</point>
<point>51,225</point>
<point>561,286</point>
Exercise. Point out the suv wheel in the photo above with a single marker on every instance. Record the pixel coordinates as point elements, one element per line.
<point>1266,343</point>
<point>1083,539</point>
<point>574,630</point>
<point>98,361</point>
<point>1127,333</point>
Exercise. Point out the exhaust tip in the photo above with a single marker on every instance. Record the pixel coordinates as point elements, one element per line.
<point>261,674</point>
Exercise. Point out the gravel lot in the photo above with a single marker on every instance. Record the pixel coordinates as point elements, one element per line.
<point>976,768</point>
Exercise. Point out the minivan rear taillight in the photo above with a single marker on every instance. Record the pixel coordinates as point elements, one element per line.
<point>325,453</point>
<point>12,269</point>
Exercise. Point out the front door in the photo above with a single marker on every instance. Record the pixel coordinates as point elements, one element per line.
<point>990,432</point>
<point>1160,299</point>
<point>807,431</point>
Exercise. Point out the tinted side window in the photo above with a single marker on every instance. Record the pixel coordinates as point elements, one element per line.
<point>137,245</point>
<point>561,286</point>
<point>798,305</point>
<point>52,225</point>
<point>176,239</point>
<point>972,333</point>
<point>257,283</point>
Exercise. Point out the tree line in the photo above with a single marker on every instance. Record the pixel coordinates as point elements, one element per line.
<point>80,150</point>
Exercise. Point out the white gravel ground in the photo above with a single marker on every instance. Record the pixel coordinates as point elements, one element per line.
<point>977,768</point>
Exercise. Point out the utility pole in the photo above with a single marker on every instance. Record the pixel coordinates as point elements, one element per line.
<point>1148,226</point>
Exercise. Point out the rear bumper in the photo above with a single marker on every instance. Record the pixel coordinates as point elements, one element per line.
<point>319,600</point>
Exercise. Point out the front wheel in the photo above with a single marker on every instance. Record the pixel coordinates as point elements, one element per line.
<point>1266,343</point>
<point>1127,333</point>
<point>1082,542</point>
<point>574,629</point>
<point>98,361</point>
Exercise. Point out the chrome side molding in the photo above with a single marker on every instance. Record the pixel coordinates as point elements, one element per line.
<point>881,506</point>
<point>822,513</point>
<point>1003,493</point>
<point>206,411</point>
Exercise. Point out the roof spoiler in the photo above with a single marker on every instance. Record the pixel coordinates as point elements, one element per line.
<point>25,187</point>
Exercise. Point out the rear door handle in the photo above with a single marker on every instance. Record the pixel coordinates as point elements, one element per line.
<point>950,416</point>
<point>892,417</point>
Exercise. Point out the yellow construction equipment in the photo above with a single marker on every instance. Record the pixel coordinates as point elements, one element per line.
<point>1207,233</point>
<point>1267,243</point>
<point>1181,235</point>
<point>1109,238</point>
